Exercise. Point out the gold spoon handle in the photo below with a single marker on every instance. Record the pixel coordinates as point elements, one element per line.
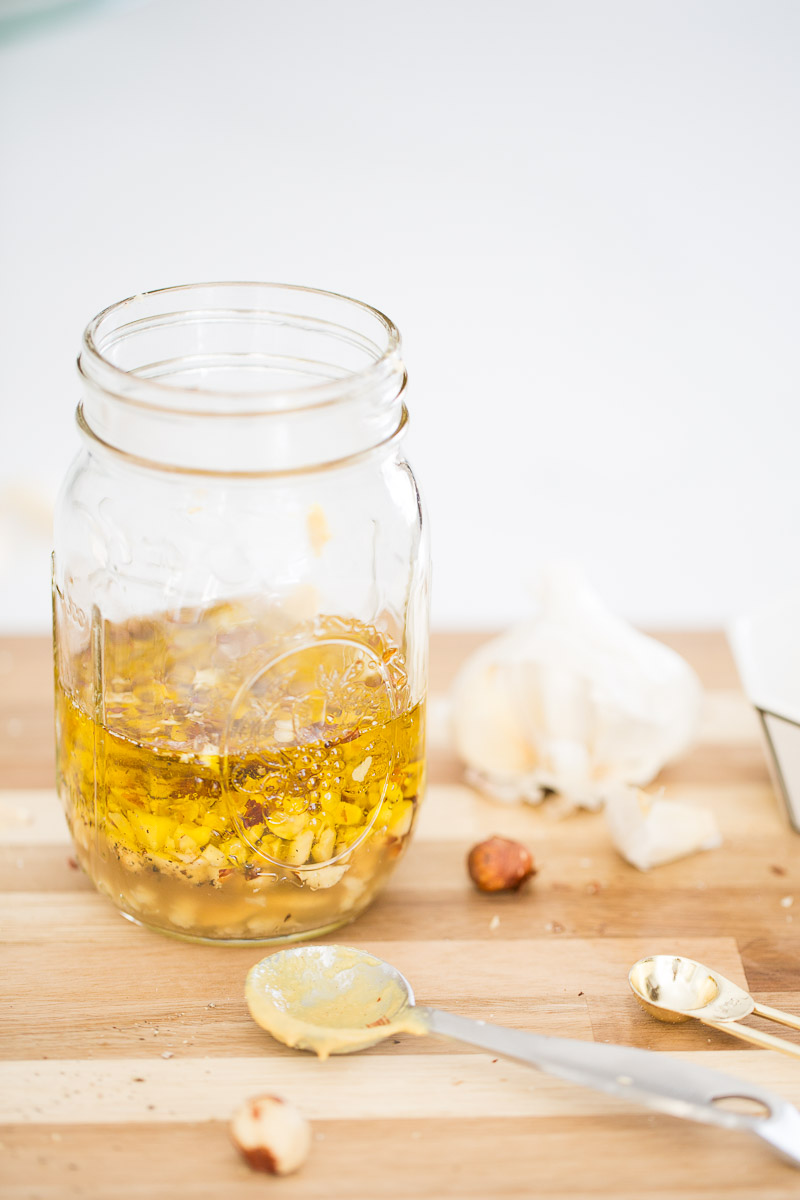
<point>767,1041</point>
<point>775,1014</point>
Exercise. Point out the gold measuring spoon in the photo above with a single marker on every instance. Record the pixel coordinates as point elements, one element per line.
<point>336,999</point>
<point>672,988</point>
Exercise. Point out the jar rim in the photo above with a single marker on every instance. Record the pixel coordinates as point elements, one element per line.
<point>177,469</point>
<point>95,363</point>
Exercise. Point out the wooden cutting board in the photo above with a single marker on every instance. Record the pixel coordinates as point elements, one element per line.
<point>124,1053</point>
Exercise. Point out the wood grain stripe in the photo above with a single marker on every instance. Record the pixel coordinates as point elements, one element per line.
<point>111,1091</point>
<point>628,1156</point>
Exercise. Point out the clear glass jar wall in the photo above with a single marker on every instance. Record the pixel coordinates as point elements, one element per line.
<point>240,596</point>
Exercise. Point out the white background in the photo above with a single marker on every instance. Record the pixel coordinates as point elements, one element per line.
<point>583,215</point>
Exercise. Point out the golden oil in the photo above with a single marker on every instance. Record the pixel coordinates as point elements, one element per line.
<point>234,778</point>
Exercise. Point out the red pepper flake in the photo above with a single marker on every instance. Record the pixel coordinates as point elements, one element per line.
<point>347,737</point>
<point>73,863</point>
<point>254,814</point>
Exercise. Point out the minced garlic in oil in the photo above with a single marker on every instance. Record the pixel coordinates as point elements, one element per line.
<point>220,798</point>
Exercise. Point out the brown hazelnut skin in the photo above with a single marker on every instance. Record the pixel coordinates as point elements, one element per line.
<point>499,865</point>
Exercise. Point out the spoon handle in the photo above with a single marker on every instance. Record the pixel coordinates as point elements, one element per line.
<point>775,1014</point>
<point>643,1076</point>
<point>767,1041</point>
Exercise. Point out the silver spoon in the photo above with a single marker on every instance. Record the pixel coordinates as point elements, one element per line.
<point>335,1000</point>
<point>672,988</point>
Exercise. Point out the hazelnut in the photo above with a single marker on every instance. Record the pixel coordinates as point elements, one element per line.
<point>271,1135</point>
<point>499,865</point>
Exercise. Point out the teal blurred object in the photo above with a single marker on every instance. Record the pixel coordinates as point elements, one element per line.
<point>25,17</point>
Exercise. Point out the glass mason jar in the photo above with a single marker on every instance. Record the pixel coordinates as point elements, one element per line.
<point>240,596</point>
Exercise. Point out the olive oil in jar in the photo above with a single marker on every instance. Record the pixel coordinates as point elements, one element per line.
<point>265,794</point>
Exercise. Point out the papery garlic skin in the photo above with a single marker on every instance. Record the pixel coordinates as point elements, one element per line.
<point>649,830</point>
<point>575,701</point>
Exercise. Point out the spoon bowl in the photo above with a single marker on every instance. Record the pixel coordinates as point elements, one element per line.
<point>672,988</point>
<point>329,999</point>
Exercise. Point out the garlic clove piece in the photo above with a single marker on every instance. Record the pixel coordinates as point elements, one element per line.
<point>649,830</point>
<point>317,878</point>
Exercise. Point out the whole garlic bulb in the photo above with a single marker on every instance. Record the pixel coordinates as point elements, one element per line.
<point>575,701</point>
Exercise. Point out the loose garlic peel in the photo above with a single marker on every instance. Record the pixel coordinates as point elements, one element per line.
<point>649,830</point>
<point>575,701</point>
